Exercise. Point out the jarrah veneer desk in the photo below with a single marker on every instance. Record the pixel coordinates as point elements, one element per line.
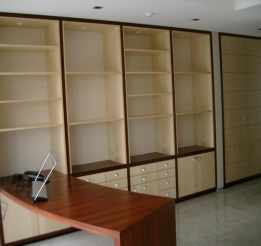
<point>132,219</point>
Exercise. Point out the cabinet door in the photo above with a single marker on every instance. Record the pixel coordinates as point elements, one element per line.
<point>206,171</point>
<point>187,176</point>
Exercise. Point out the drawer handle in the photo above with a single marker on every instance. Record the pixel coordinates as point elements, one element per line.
<point>197,158</point>
<point>248,116</point>
<point>167,194</point>
<point>116,174</point>
<point>117,184</point>
<point>134,189</point>
<point>143,169</point>
<point>144,187</point>
<point>144,178</point>
<point>167,182</point>
<point>166,164</point>
<point>88,180</point>
<point>167,173</point>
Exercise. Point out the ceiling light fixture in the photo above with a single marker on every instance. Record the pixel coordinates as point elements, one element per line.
<point>196,19</point>
<point>259,29</point>
<point>149,14</point>
<point>19,23</point>
<point>97,7</point>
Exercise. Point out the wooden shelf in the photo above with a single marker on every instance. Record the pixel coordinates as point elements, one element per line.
<point>193,150</point>
<point>30,74</point>
<point>92,73</point>
<point>146,73</point>
<point>90,168</point>
<point>193,112</point>
<point>148,116</point>
<point>191,73</point>
<point>148,157</point>
<point>141,52</point>
<point>83,122</point>
<point>26,48</point>
<point>31,100</point>
<point>28,127</point>
<point>149,95</point>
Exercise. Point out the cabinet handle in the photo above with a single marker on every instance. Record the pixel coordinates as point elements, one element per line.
<point>244,117</point>
<point>197,158</point>
<point>117,184</point>
<point>88,180</point>
<point>167,173</point>
<point>144,187</point>
<point>134,189</point>
<point>248,116</point>
<point>167,194</point>
<point>144,178</point>
<point>167,182</point>
<point>116,174</point>
<point>166,164</point>
<point>143,169</point>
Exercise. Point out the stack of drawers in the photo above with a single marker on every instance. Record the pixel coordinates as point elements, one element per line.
<point>154,179</point>
<point>115,179</point>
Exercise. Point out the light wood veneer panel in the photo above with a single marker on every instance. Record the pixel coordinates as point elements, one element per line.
<point>235,136</point>
<point>47,225</point>
<point>235,118</point>
<point>236,153</point>
<point>233,45</point>
<point>234,82</point>
<point>237,171</point>
<point>233,64</point>
<point>235,99</point>
<point>252,47</point>
<point>253,64</point>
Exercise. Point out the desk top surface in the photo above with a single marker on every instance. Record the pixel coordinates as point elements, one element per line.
<point>89,206</point>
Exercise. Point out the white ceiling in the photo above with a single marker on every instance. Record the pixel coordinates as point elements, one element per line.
<point>231,16</point>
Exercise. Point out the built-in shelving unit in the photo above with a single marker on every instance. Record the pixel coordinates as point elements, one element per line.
<point>193,91</point>
<point>31,108</point>
<point>149,93</point>
<point>94,96</point>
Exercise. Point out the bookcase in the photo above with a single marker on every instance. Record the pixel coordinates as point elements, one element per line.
<point>31,107</point>
<point>193,91</point>
<point>94,96</point>
<point>241,61</point>
<point>194,112</point>
<point>149,93</point>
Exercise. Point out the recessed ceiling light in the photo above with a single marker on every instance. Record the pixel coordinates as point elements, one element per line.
<point>138,32</point>
<point>149,14</point>
<point>196,19</point>
<point>97,7</point>
<point>259,29</point>
<point>19,23</point>
<point>84,28</point>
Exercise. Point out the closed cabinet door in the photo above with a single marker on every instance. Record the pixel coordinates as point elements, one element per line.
<point>206,171</point>
<point>187,176</point>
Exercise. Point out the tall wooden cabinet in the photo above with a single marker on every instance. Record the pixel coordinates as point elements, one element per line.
<point>194,111</point>
<point>241,63</point>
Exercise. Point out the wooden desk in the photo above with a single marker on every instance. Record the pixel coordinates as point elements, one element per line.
<point>132,219</point>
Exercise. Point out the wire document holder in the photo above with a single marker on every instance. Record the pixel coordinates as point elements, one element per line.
<point>39,192</point>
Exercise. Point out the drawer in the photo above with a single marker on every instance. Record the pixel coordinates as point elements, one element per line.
<point>116,174</point>
<point>166,164</point>
<point>126,188</point>
<point>117,184</point>
<point>139,170</point>
<point>147,177</point>
<point>168,193</point>
<point>94,178</point>
<point>166,173</point>
<point>168,183</point>
<point>150,188</point>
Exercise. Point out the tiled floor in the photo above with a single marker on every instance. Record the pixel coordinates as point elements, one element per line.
<point>230,217</point>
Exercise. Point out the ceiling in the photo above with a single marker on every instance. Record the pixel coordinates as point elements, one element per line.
<point>230,16</point>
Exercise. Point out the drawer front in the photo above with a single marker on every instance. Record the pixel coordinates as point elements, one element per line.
<point>150,188</point>
<point>94,178</point>
<point>168,193</point>
<point>117,184</point>
<point>116,174</point>
<point>148,177</point>
<point>166,173</point>
<point>139,170</point>
<point>166,164</point>
<point>166,184</point>
<point>126,189</point>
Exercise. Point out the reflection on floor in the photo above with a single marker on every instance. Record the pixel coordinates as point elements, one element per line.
<point>230,217</point>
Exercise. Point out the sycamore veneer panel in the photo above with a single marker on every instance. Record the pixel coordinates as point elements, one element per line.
<point>234,99</point>
<point>236,153</point>
<point>233,45</point>
<point>234,136</point>
<point>233,64</point>
<point>234,82</point>
<point>252,47</point>
<point>235,118</point>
